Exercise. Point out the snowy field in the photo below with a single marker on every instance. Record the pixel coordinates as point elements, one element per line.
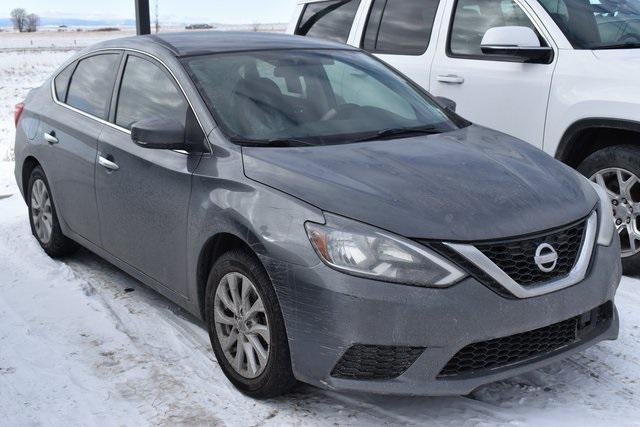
<point>81,37</point>
<point>82,343</point>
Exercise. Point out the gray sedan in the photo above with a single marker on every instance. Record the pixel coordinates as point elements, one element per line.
<point>330,221</point>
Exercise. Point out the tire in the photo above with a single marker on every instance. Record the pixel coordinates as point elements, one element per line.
<point>242,267</point>
<point>606,162</point>
<point>54,243</point>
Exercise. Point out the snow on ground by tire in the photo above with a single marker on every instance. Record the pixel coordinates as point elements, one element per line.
<point>77,347</point>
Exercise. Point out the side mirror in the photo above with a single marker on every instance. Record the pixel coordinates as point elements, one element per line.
<point>161,134</point>
<point>520,44</point>
<point>446,103</point>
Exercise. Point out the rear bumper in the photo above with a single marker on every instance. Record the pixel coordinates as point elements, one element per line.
<point>327,312</point>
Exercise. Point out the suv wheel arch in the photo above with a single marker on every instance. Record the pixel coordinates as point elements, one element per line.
<point>587,136</point>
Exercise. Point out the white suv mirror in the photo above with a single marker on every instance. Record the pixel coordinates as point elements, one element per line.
<point>515,43</point>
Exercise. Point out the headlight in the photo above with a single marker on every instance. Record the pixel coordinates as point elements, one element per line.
<point>362,250</point>
<point>606,227</point>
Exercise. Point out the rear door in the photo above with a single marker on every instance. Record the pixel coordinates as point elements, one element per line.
<point>143,194</point>
<point>507,96</point>
<point>82,93</point>
<point>402,33</point>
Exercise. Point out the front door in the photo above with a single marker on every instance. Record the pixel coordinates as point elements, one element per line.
<point>143,194</point>
<point>506,96</point>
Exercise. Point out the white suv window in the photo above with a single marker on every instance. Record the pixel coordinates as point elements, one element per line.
<point>330,20</point>
<point>595,24</point>
<point>472,19</point>
<point>400,27</point>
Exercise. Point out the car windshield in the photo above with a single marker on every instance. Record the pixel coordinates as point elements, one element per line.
<point>597,24</point>
<point>312,97</point>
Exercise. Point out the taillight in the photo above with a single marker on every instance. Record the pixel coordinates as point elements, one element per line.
<point>17,111</point>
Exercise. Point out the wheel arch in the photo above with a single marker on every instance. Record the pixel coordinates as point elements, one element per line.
<point>212,249</point>
<point>587,136</point>
<point>28,165</point>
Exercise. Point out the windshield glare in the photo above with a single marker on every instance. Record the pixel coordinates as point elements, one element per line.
<point>315,97</point>
<point>597,24</point>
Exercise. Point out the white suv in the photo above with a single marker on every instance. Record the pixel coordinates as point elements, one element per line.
<point>563,75</point>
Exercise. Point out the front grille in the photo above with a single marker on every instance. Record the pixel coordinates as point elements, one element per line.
<point>375,362</point>
<point>519,348</point>
<point>516,257</point>
<point>470,268</point>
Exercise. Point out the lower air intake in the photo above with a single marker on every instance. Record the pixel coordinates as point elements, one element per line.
<point>375,362</point>
<point>527,346</point>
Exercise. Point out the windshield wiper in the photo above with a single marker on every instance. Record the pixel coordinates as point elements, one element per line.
<point>275,142</point>
<point>399,132</point>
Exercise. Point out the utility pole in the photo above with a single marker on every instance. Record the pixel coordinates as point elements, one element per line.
<point>143,21</point>
<point>157,18</point>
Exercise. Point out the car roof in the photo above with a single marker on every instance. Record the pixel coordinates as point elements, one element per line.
<point>208,42</point>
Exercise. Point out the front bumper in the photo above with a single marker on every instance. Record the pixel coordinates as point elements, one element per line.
<point>327,312</point>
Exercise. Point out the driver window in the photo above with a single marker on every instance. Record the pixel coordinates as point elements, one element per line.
<point>472,19</point>
<point>146,91</point>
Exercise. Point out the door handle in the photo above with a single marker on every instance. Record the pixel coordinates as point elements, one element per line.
<point>50,137</point>
<point>107,164</point>
<point>450,79</point>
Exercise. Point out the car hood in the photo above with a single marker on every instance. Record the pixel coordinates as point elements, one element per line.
<point>468,185</point>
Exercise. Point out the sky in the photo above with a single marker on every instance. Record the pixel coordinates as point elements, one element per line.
<point>222,11</point>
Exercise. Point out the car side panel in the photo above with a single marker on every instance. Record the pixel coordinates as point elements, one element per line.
<point>70,167</point>
<point>224,200</point>
<point>28,140</point>
<point>144,207</point>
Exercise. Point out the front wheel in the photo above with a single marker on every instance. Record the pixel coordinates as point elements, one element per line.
<point>246,327</point>
<point>617,170</point>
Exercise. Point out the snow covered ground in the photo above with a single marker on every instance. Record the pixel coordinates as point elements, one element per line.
<point>81,37</point>
<point>82,343</point>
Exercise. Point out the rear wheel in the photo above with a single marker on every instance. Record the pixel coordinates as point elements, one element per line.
<point>43,217</point>
<point>617,170</point>
<point>246,327</point>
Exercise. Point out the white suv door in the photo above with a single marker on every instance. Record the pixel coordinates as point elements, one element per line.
<point>402,33</point>
<point>508,96</point>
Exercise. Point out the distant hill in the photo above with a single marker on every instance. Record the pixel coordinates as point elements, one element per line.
<point>76,22</point>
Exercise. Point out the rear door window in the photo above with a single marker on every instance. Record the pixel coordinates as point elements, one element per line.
<point>148,92</point>
<point>400,27</point>
<point>330,20</point>
<point>92,82</point>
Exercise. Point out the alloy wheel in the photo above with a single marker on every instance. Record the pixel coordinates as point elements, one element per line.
<point>241,325</point>
<point>623,189</point>
<point>41,212</point>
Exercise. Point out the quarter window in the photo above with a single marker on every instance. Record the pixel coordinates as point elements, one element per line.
<point>472,19</point>
<point>61,82</point>
<point>401,27</point>
<point>331,20</point>
<point>146,91</point>
<point>92,84</point>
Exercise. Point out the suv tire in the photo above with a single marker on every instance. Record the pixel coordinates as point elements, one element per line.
<point>626,206</point>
